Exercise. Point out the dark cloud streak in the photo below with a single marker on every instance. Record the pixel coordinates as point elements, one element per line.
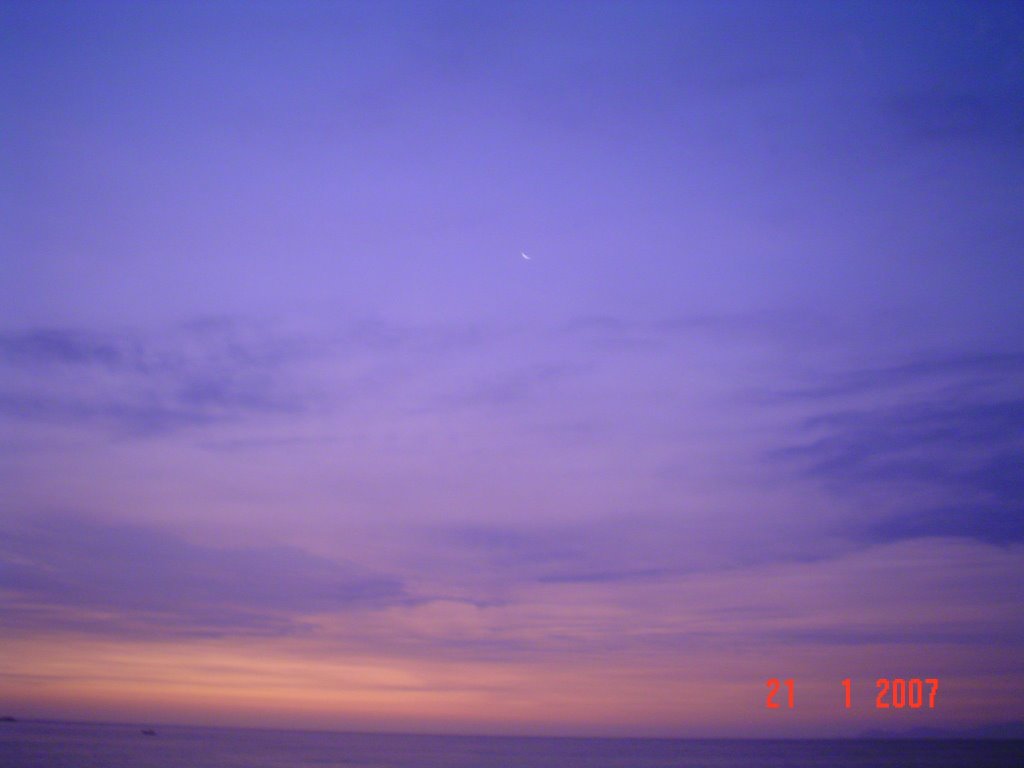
<point>209,371</point>
<point>948,429</point>
<point>70,571</point>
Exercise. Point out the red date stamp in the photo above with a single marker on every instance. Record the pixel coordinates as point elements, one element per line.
<point>893,693</point>
<point>773,688</point>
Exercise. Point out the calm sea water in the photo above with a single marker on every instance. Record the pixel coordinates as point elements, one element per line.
<point>77,745</point>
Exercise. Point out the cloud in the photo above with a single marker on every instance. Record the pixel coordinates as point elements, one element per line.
<point>119,577</point>
<point>961,592</point>
<point>199,374</point>
<point>606,576</point>
<point>207,372</point>
<point>515,387</point>
<point>623,549</point>
<point>940,439</point>
<point>754,325</point>
<point>55,346</point>
<point>961,371</point>
<point>913,441</point>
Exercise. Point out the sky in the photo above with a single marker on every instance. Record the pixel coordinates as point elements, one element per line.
<point>292,435</point>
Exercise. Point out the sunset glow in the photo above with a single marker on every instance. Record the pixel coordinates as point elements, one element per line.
<point>294,434</point>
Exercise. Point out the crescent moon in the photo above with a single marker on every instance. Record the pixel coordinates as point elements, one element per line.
<point>524,256</point>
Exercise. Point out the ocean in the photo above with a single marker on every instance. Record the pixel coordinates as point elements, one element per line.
<point>81,745</point>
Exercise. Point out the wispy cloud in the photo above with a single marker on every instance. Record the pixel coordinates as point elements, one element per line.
<point>943,436</point>
<point>136,383</point>
<point>624,549</point>
<point>61,346</point>
<point>954,372</point>
<point>208,371</point>
<point>120,578</point>
<point>773,325</point>
<point>515,386</point>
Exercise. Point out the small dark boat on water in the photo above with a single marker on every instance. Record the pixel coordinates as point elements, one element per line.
<point>148,732</point>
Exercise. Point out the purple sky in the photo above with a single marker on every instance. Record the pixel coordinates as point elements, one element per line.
<point>290,433</point>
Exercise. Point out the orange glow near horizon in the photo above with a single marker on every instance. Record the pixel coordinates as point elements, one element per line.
<point>279,683</point>
<point>661,658</point>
